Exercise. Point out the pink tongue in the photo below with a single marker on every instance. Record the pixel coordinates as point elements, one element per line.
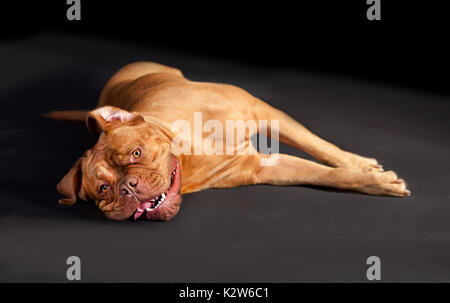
<point>141,209</point>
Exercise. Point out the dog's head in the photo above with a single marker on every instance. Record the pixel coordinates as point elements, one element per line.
<point>130,171</point>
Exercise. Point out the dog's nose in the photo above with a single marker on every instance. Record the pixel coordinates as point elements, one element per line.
<point>132,181</point>
<point>129,186</point>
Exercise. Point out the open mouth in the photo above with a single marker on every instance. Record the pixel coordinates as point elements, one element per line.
<point>170,195</point>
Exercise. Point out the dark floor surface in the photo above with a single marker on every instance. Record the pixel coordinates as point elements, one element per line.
<point>247,234</point>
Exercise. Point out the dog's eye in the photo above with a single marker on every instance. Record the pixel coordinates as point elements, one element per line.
<point>103,188</point>
<point>137,153</point>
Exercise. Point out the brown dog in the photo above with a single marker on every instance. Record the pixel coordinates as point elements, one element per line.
<point>133,169</point>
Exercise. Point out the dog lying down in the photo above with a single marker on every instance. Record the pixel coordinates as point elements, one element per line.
<point>149,153</point>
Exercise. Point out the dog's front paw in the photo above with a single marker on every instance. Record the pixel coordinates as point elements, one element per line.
<point>385,183</point>
<point>351,160</point>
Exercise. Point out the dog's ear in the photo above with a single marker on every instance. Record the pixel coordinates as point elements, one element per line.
<point>70,184</point>
<point>104,117</point>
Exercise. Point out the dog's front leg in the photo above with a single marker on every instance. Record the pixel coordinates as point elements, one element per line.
<point>290,170</point>
<point>296,135</point>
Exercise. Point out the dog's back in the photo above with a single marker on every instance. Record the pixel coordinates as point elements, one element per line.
<point>135,75</point>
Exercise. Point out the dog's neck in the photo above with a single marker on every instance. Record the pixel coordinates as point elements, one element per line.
<point>161,126</point>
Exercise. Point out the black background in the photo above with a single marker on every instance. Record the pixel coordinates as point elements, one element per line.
<point>408,47</point>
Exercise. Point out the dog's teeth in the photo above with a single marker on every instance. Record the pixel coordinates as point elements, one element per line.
<point>163,195</point>
<point>148,209</point>
<point>140,210</point>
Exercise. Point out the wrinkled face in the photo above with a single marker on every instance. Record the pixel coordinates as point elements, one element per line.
<point>130,172</point>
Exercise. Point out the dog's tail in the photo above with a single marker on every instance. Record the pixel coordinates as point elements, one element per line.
<point>69,115</point>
